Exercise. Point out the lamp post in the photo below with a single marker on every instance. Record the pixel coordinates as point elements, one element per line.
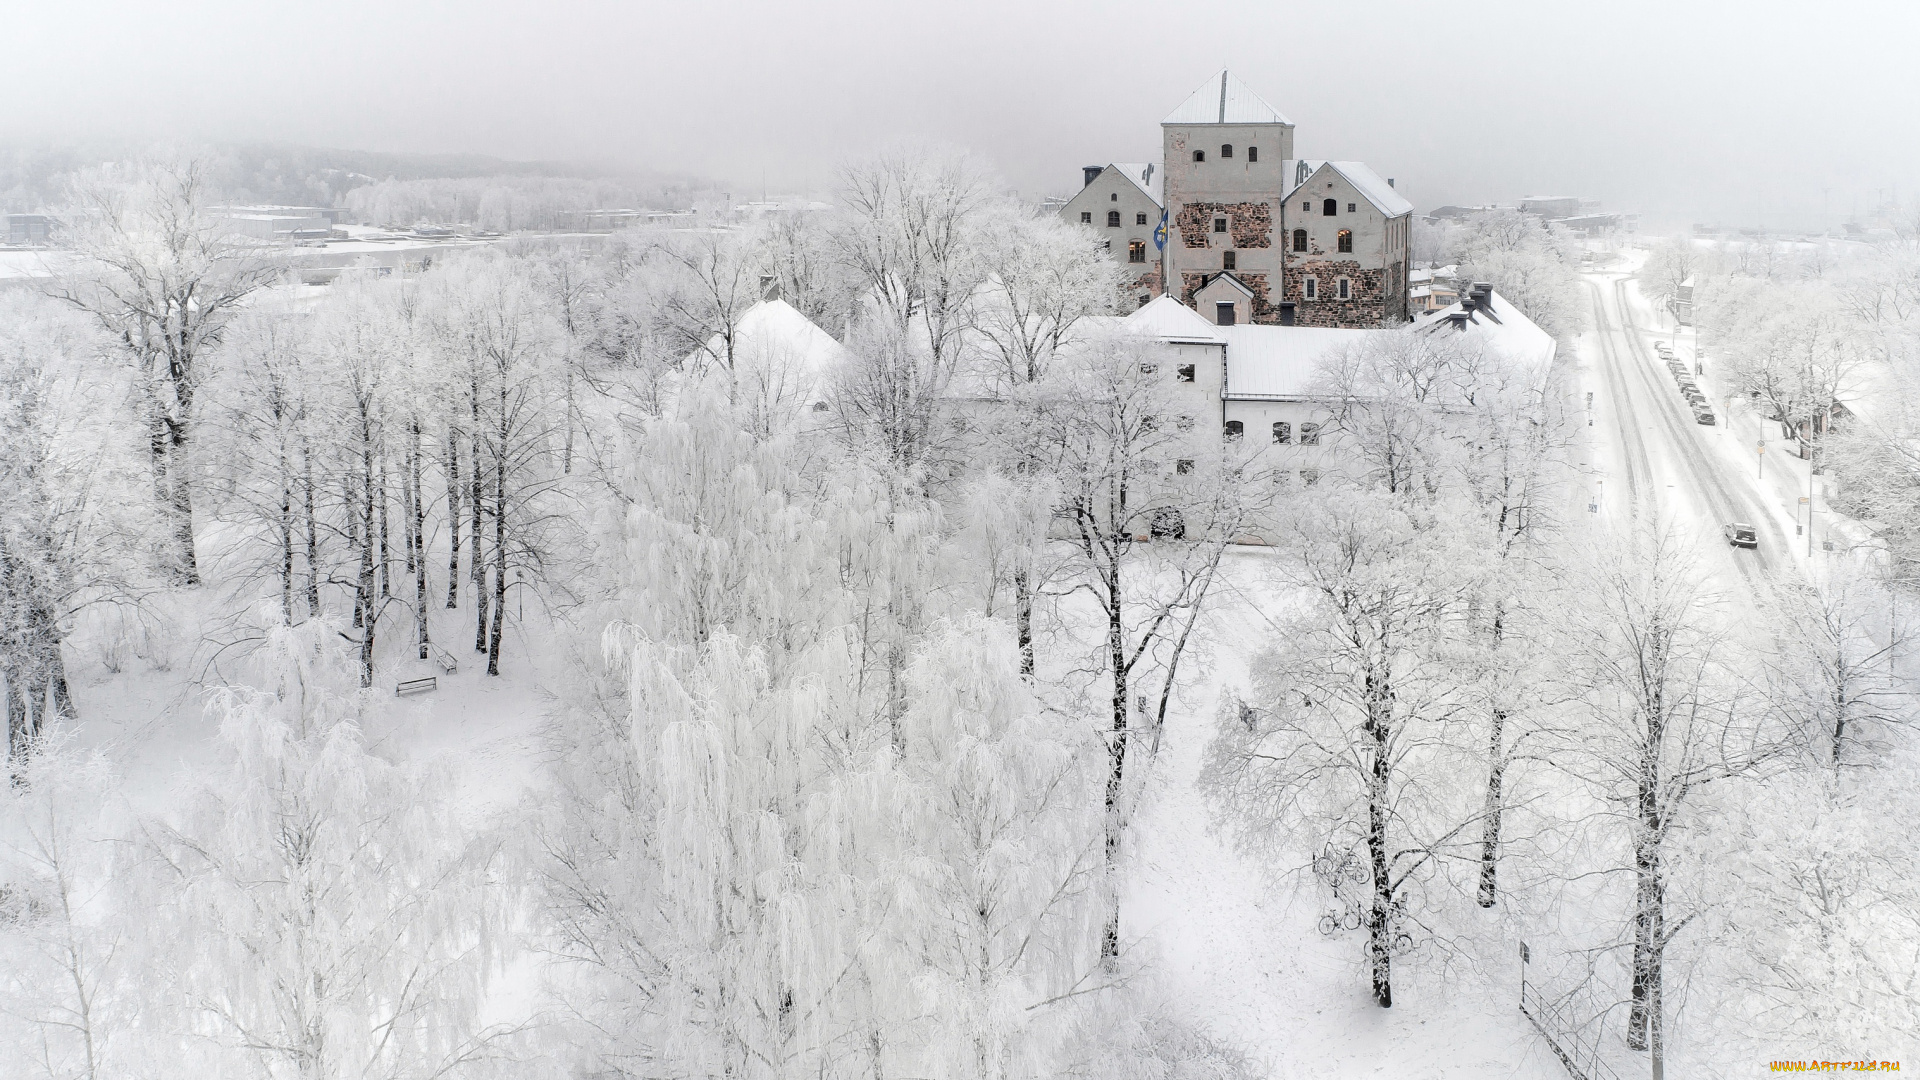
<point>1760,452</point>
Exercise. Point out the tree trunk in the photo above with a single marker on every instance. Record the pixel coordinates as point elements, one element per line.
<point>417,555</point>
<point>313,536</point>
<point>1116,758</point>
<point>453,516</point>
<point>286,543</point>
<point>1380,918</point>
<point>386,555</point>
<point>1649,929</point>
<point>1023,619</point>
<point>369,614</point>
<point>499,547</point>
<point>1490,828</point>
<point>478,559</point>
<point>181,477</point>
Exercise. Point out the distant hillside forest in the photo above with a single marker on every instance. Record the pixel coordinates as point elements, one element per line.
<point>381,188</point>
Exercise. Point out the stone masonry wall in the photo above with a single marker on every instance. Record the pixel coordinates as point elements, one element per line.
<point>1249,223</point>
<point>1369,307</point>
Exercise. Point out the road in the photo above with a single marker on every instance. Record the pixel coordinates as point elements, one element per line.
<point>1656,462</point>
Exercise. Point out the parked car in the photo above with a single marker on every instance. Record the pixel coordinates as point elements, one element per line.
<point>1703,416</point>
<point>1740,534</point>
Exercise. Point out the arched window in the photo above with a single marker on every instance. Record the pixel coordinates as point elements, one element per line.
<point>1235,429</point>
<point>1330,208</point>
<point>1309,434</point>
<point>1199,155</point>
<point>1137,251</point>
<point>1113,219</point>
<point>1310,288</point>
<point>1282,431</point>
<point>1299,239</point>
<point>1253,154</point>
<point>1346,240</point>
<point>1226,150</point>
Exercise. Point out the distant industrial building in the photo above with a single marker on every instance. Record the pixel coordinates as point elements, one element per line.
<point>280,222</point>
<point>30,229</point>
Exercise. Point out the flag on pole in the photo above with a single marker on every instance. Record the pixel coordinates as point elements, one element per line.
<point>1160,233</point>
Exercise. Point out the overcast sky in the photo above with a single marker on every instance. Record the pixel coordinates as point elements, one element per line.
<point>1755,112</point>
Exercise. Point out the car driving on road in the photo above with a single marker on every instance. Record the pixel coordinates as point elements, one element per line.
<point>1740,534</point>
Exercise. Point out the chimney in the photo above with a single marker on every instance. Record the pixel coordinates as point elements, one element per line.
<point>1482,293</point>
<point>1092,173</point>
<point>1459,319</point>
<point>769,287</point>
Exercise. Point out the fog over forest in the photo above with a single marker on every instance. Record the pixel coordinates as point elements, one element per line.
<point>1751,114</point>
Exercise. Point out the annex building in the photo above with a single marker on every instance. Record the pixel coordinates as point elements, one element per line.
<point>1234,226</point>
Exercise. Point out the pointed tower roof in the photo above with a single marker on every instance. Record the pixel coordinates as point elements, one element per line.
<point>1224,99</point>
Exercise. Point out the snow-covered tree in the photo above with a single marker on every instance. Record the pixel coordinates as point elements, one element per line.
<point>325,910</point>
<point>163,278</point>
<point>1356,723</point>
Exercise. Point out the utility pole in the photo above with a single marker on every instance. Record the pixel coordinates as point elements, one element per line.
<point>1761,453</point>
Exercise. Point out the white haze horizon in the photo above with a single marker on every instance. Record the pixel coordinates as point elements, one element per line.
<point>1753,114</point>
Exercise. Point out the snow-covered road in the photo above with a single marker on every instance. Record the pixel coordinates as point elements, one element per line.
<point>1654,461</point>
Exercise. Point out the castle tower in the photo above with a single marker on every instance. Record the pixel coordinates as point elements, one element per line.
<point>1227,156</point>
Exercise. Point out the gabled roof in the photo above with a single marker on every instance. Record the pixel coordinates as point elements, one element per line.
<point>1170,319</point>
<point>1371,186</point>
<point>1148,176</point>
<point>1228,277</point>
<point>779,349</point>
<point>1224,99</point>
<point>1284,362</point>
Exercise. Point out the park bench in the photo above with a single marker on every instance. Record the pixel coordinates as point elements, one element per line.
<point>415,686</point>
<point>445,659</point>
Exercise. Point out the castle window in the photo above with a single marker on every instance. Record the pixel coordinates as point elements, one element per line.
<point>1226,150</point>
<point>1227,261</point>
<point>1346,240</point>
<point>1115,197</point>
<point>1330,208</point>
<point>1310,436</point>
<point>1148,369</point>
<point>1253,154</point>
<point>1183,373</point>
<point>1137,251</point>
<point>1113,219</point>
<point>1223,313</point>
<point>1199,155</point>
<point>1086,217</point>
<point>1349,208</point>
<point>1306,207</point>
<point>1183,466</point>
<point>1235,429</point>
<point>1299,239</point>
<point>1282,431</point>
<point>1219,224</point>
<point>1185,423</point>
<point>1140,219</point>
<point>1346,289</point>
<point>1310,288</point>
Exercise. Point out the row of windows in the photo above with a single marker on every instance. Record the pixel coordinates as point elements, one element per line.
<point>1237,430</point>
<point>1226,153</point>
<point>1282,432</point>
<point>1310,288</point>
<point>1183,373</point>
<point>1342,242</point>
<point>1328,207</point>
<point>1113,218</point>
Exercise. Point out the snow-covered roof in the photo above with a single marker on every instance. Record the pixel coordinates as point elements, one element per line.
<point>1282,361</point>
<point>1499,324</point>
<point>1224,99</point>
<point>1373,187</point>
<point>1168,318</point>
<point>1148,176</point>
<point>781,350</point>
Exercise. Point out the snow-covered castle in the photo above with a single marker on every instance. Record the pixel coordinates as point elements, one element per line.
<point>1234,226</point>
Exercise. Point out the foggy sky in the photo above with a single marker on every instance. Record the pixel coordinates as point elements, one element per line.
<point>1749,113</point>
